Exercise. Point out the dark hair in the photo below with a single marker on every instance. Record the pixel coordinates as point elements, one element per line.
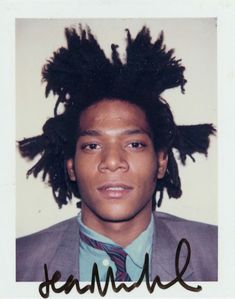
<point>81,75</point>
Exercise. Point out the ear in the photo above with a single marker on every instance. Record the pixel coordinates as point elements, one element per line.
<point>162,158</point>
<point>70,169</point>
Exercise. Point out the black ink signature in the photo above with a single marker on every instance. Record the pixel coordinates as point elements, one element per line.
<point>44,287</point>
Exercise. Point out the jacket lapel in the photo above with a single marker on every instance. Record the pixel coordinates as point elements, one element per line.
<point>164,251</point>
<point>66,258</point>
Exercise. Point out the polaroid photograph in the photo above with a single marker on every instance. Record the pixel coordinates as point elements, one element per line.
<point>116,153</point>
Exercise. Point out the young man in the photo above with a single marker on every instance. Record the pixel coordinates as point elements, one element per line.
<point>113,147</point>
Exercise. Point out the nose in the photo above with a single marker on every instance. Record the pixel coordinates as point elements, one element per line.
<point>113,158</point>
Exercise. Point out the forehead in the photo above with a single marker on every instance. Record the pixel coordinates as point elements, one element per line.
<point>113,113</point>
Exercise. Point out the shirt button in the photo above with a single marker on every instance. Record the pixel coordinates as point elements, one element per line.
<point>106,262</point>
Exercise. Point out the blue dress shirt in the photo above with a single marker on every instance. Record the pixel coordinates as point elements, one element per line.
<point>136,251</point>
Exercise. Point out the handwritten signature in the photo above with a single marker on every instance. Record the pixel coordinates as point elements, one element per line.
<point>71,282</point>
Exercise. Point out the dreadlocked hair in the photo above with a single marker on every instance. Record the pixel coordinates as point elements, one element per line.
<point>81,75</point>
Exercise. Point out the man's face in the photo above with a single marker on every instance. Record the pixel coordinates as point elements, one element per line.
<point>115,164</point>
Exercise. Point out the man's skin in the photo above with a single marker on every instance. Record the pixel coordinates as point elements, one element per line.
<point>116,168</point>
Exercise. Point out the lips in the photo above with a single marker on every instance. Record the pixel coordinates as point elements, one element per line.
<point>114,190</point>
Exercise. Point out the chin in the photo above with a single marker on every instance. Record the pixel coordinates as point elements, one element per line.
<point>118,216</point>
<point>116,219</point>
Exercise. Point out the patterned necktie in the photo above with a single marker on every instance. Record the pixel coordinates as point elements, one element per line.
<point>116,253</point>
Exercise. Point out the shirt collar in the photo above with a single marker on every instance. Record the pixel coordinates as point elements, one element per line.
<point>136,249</point>
<point>141,245</point>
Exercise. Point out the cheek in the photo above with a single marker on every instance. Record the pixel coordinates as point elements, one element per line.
<point>148,177</point>
<point>148,186</point>
<point>83,166</point>
<point>147,167</point>
<point>85,170</point>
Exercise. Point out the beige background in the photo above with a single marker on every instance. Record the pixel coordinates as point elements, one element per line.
<point>194,41</point>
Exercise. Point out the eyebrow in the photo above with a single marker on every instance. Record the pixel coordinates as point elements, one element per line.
<point>125,132</point>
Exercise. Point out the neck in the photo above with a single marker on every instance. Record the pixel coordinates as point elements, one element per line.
<point>123,232</point>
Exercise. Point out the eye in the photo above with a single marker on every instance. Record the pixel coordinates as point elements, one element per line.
<point>90,146</point>
<point>136,145</point>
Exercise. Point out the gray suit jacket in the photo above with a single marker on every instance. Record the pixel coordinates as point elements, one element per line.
<point>58,247</point>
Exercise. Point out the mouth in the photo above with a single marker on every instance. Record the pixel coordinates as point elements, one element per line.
<point>115,191</point>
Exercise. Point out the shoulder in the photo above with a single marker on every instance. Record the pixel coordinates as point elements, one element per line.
<point>49,234</point>
<point>32,249</point>
<point>172,220</point>
<point>184,227</point>
<point>202,238</point>
<point>58,227</point>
